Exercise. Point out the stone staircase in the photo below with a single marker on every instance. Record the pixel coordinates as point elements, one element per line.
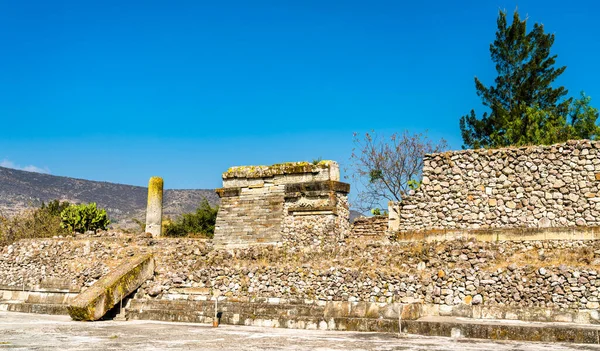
<point>361,316</point>
<point>39,301</point>
<point>276,313</point>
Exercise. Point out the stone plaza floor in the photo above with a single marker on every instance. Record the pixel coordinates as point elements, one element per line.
<point>20,331</point>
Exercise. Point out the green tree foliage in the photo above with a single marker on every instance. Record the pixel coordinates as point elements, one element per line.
<point>202,222</point>
<point>84,217</point>
<point>55,207</point>
<point>524,107</point>
<point>582,118</point>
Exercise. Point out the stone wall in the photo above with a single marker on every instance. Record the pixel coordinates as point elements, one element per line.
<point>534,187</point>
<point>375,226</point>
<point>299,203</point>
<point>552,275</point>
<point>549,274</point>
<point>62,264</point>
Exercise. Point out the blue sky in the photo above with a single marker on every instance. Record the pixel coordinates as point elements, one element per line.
<point>123,90</point>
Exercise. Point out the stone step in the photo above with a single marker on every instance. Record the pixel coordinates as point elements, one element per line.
<point>243,308</point>
<point>124,304</point>
<point>267,320</point>
<point>37,296</point>
<point>167,315</point>
<point>328,318</point>
<point>503,329</point>
<point>37,308</point>
<point>428,326</point>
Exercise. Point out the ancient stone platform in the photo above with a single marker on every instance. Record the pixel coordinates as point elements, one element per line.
<point>297,202</point>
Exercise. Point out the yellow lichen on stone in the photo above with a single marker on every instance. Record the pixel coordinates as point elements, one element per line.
<point>155,188</point>
<point>94,302</point>
<point>276,169</point>
<point>154,209</point>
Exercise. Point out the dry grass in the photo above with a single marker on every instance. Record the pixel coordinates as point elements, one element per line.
<point>31,223</point>
<point>579,257</point>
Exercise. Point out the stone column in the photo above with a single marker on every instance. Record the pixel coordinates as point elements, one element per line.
<point>154,210</point>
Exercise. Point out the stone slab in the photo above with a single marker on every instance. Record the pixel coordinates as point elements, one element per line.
<point>93,303</point>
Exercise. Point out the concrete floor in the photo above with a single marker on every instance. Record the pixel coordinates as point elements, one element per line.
<point>20,331</point>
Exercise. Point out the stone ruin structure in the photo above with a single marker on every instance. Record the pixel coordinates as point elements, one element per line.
<point>364,285</point>
<point>298,203</point>
<point>556,186</point>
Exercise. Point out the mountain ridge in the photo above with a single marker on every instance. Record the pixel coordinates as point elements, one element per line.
<point>23,189</point>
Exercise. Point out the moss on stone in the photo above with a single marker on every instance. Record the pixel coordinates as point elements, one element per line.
<point>276,169</point>
<point>155,188</point>
<point>109,290</point>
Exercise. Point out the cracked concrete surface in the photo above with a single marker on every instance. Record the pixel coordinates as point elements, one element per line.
<point>20,331</point>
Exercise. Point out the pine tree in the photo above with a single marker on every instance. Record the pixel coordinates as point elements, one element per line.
<point>525,108</point>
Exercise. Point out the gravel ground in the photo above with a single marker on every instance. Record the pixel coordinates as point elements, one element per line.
<point>44,332</point>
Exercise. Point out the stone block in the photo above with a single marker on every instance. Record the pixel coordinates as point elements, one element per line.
<point>93,303</point>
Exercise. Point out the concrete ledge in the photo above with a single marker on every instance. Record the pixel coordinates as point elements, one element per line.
<point>93,303</point>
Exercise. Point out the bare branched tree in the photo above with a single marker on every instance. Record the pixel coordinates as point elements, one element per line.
<point>388,169</point>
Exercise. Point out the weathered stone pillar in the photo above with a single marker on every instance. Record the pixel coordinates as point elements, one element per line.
<point>154,209</point>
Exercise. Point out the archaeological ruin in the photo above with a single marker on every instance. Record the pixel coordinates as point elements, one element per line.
<point>553,186</point>
<point>507,234</point>
<point>296,203</point>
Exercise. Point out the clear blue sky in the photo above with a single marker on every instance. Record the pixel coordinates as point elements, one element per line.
<point>122,90</point>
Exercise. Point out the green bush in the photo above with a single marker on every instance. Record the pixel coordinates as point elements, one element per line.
<point>55,207</point>
<point>84,217</point>
<point>201,223</point>
<point>378,212</point>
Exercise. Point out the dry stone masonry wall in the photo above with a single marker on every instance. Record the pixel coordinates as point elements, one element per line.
<point>298,203</point>
<point>62,264</point>
<point>376,226</point>
<point>532,274</point>
<point>533,187</point>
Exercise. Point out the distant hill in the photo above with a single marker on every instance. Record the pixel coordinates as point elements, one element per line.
<point>21,189</point>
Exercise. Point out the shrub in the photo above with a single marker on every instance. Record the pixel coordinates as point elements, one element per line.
<point>55,207</point>
<point>379,212</point>
<point>43,222</point>
<point>202,222</point>
<point>84,217</point>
